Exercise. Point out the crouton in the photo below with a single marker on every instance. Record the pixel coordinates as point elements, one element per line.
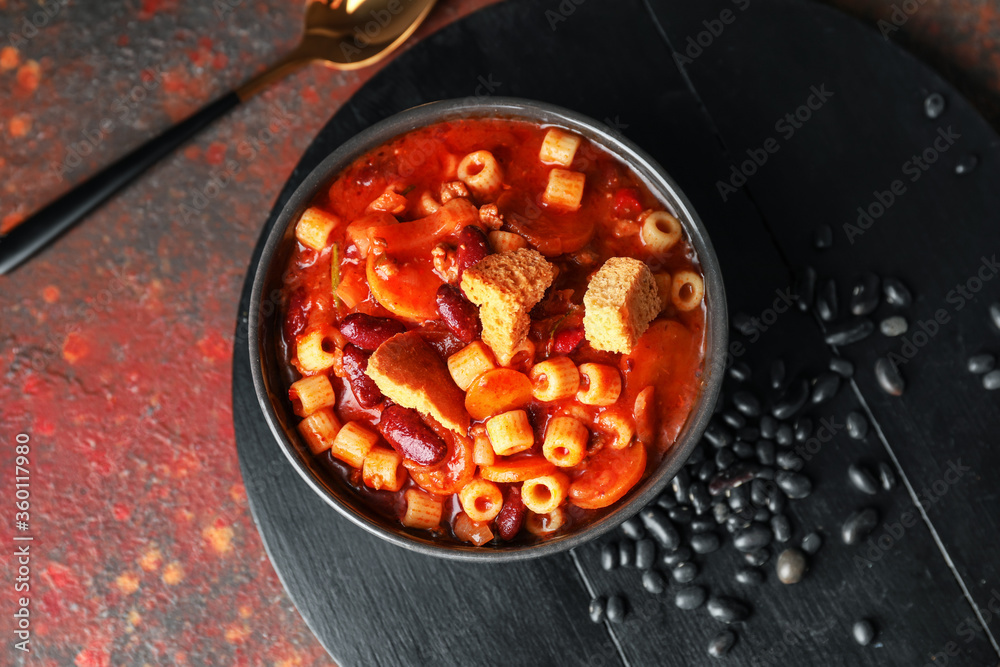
<point>506,286</point>
<point>409,372</point>
<point>620,302</point>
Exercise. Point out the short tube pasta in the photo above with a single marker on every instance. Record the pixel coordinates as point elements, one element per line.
<point>481,499</point>
<point>599,384</point>
<point>353,443</point>
<point>661,231</point>
<point>541,525</point>
<point>565,443</point>
<point>687,290</point>
<point>554,379</point>
<point>310,394</point>
<point>619,424</point>
<point>469,363</point>
<point>506,241</point>
<point>422,510</point>
<point>319,430</point>
<point>383,469</point>
<point>310,350</point>
<point>314,227</point>
<point>480,171</point>
<point>558,147</point>
<point>544,494</point>
<point>510,432</point>
<point>564,191</point>
<point>482,450</point>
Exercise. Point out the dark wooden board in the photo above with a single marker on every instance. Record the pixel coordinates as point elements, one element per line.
<point>370,603</point>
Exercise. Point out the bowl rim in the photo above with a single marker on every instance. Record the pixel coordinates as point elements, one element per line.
<point>659,182</point>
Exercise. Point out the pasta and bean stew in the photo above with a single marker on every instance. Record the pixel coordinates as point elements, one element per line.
<point>497,330</point>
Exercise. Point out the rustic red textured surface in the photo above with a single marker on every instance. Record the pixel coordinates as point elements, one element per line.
<point>115,344</point>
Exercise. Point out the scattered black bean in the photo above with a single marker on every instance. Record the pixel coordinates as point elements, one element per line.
<point>609,556</point>
<point>804,288</point>
<point>768,427</point>
<point>734,419</point>
<point>765,452</point>
<point>747,403</point>
<point>994,311</point>
<point>896,293</point>
<point>753,538</point>
<point>724,458</point>
<point>893,326</point>
<point>981,363</point>
<point>865,294</point>
<point>626,553</point>
<point>616,609</point>
<point>792,400</point>
<point>863,631</point>
<point>702,524</point>
<point>757,558</point>
<point>803,428</point>
<point>825,387</point>
<point>966,164</point>
<point>991,381</point>
<point>812,542</point>
<point>660,527</point>
<point>740,372</point>
<point>857,425</point>
<point>889,378</point>
<point>762,515</point>
<point>934,105</point>
<point>633,529</point>
<point>744,450</point>
<point>672,558</point>
<point>739,497</point>
<point>826,301</point>
<point>597,607</point>
<point>787,459</point>
<point>777,373</point>
<point>794,484</point>
<point>862,479</point>
<point>781,527</point>
<point>849,331</point>
<point>681,514</point>
<point>653,582</point>
<point>750,576</point>
<point>705,543</point>
<point>842,367</point>
<point>791,566</point>
<point>823,237</point>
<point>681,484</point>
<point>785,435</point>
<point>720,511</point>
<point>685,572</point>
<point>859,525</point>
<point>690,597</point>
<point>766,472</point>
<point>732,476</point>
<point>700,498</point>
<point>727,610</point>
<point>721,644</point>
<point>748,433</point>
<point>758,493</point>
<point>706,470</point>
<point>886,476</point>
<point>777,501</point>
<point>742,323</point>
<point>645,554</point>
<point>666,500</point>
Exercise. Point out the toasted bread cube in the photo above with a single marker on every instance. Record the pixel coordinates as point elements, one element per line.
<point>422,510</point>
<point>319,430</point>
<point>469,363</point>
<point>353,443</point>
<point>409,372</point>
<point>506,286</point>
<point>558,147</point>
<point>620,302</point>
<point>564,191</point>
<point>510,432</point>
<point>314,227</point>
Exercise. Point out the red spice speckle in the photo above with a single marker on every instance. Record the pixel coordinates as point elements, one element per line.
<point>309,95</point>
<point>215,154</point>
<point>10,57</point>
<point>50,294</point>
<point>121,512</point>
<point>28,76</point>
<point>220,60</point>
<point>75,348</point>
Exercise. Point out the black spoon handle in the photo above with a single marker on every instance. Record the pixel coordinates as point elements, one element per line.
<point>40,229</point>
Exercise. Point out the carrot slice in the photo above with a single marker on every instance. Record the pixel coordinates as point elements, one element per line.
<point>555,235</point>
<point>497,391</point>
<point>517,470</point>
<point>407,238</point>
<point>406,289</point>
<point>609,475</point>
<point>451,475</point>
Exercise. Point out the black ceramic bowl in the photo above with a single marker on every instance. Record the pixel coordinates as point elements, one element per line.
<point>271,379</point>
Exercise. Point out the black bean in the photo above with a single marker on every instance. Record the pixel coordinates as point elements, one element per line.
<point>777,373</point>
<point>702,524</point>
<point>744,450</point>
<point>777,501</point>
<point>934,105</point>
<point>812,542</point>
<point>863,631</point>
<point>697,455</point>
<point>718,435</point>
<point>705,543</point>
<point>791,566</point>
<point>791,400</point>
<point>626,553</point>
<point>981,363</point>
<point>753,537</point>
<point>865,294</point>
<point>794,484</point>
<point>787,459</point>
<point>781,527</point>
<point>826,301</point>
<point>757,558</point>
<point>742,323</point>
<point>966,164</point>
<point>823,237</point>
<point>825,387</point>
<point>859,525</point>
<point>740,372</point>
<point>645,554</point>
<point>720,512</point>
<point>681,484</point>
<point>705,471</point>
<point>785,435</point>
<point>633,529</point>
<point>597,607</point>
<point>660,527</point>
<point>700,498</point>
<point>842,367</point>
<point>724,458</point>
<point>803,428</point>
<point>762,515</point>
<point>690,597</point>
<point>616,609</point>
<point>862,479</point>
<point>747,403</point>
<point>991,381</point>
<point>748,433</point>
<point>849,331</point>
<point>893,326</point>
<point>896,293</point>
<point>732,476</point>
<point>734,419</point>
<point>666,500</point>
<point>758,493</point>
<point>994,311</point>
<point>653,582</point>
<point>889,378</point>
<point>857,425</point>
<point>684,572</point>
<point>738,521</point>
<point>672,558</point>
<point>804,288</point>
<point>727,610</point>
<point>609,556</point>
<point>765,451</point>
<point>681,514</point>
<point>721,644</point>
<point>749,576</point>
<point>766,472</point>
<point>768,427</point>
<point>886,476</point>
<point>738,498</point>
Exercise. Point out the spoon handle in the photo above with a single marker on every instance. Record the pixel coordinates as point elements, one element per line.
<point>33,234</point>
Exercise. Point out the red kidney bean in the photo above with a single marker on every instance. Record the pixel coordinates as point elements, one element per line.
<point>410,436</point>
<point>566,340</point>
<point>472,247</point>
<point>298,314</point>
<point>460,315</point>
<point>365,390</point>
<point>511,515</point>
<point>367,331</point>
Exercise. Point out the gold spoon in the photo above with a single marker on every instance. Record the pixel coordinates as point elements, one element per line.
<point>343,34</point>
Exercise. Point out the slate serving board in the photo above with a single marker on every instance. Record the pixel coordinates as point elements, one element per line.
<point>626,63</point>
